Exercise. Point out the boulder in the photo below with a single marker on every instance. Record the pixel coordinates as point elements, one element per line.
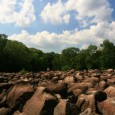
<point>19,94</point>
<point>61,88</point>
<point>102,85</point>
<point>68,80</point>
<point>110,91</point>
<point>77,92</point>
<point>89,103</point>
<point>111,81</point>
<point>18,113</point>
<point>81,100</point>
<point>91,100</point>
<point>41,103</point>
<point>5,111</point>
<point>63,108</point>
<point>92,80</point>
<point>79,77</point>
<point>107,107</point>
<point>99,96</point>
<point>104,77</point>
<point>86,112</point>
<point>82,86</point>
<point>110,70</point>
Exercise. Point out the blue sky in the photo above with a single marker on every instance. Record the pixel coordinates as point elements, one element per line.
<point>52,25</point>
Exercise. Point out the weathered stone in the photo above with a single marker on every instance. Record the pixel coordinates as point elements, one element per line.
<point>90,91</point>
<point>63,108</point>
<point>19,94</point>
<point>104,77</point>
<point>5,111</point>
<point>111,81</point>
<point>79,77</point>
<point>1,79</point>
<point>77,92</point>
<point>92,80</point>
<point>107,107</point>
<point>18,113</point>
<point>5,86</point>
<point>86,112</point>
<point>102,85</point>
<point>97,74</point>
<point>68,80</point>
<point>89,103</point>
<point>99,96</point>
<point>61,88</point>
<point>110,91</point>
<point>82,86</point>
<point>110,70</point>
<point>41,103</point>
<point>79,88</point>
<point>81,100</point>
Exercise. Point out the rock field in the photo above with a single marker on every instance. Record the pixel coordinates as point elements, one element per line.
<point>88,92</point>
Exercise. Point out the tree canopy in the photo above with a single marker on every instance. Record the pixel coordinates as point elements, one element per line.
<point>15,56</point>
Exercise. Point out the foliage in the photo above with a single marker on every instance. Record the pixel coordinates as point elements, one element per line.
<point>15,55</point>
<point>23,71</point>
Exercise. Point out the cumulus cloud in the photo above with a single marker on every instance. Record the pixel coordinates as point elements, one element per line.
<point>78,38</point>
<point>20,13</point>
<point>93,10</point>
<point>96,14</point>
<point>55,13</point>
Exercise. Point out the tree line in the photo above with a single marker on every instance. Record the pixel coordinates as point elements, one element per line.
<point>15,56</point>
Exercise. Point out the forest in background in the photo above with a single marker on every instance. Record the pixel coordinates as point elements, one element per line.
<point>15,56</point>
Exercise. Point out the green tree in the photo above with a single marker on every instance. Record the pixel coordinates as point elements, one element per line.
<point>35,60</point>
<point>107,58</point>
<point>16,55</point>
<point>56,62</point>
<point>90,53</point>
<point>3,42</point>
<point>68,57</point>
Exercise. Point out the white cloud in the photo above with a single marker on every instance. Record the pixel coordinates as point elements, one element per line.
<point>78,38</point>
<point>95,10</point>
<point>10,14</point>
<point>55,13</point>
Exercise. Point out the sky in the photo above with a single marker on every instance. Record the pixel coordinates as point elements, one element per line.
<point>53,25</point>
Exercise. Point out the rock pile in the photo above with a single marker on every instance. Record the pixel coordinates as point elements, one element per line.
<point>90,92</point>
